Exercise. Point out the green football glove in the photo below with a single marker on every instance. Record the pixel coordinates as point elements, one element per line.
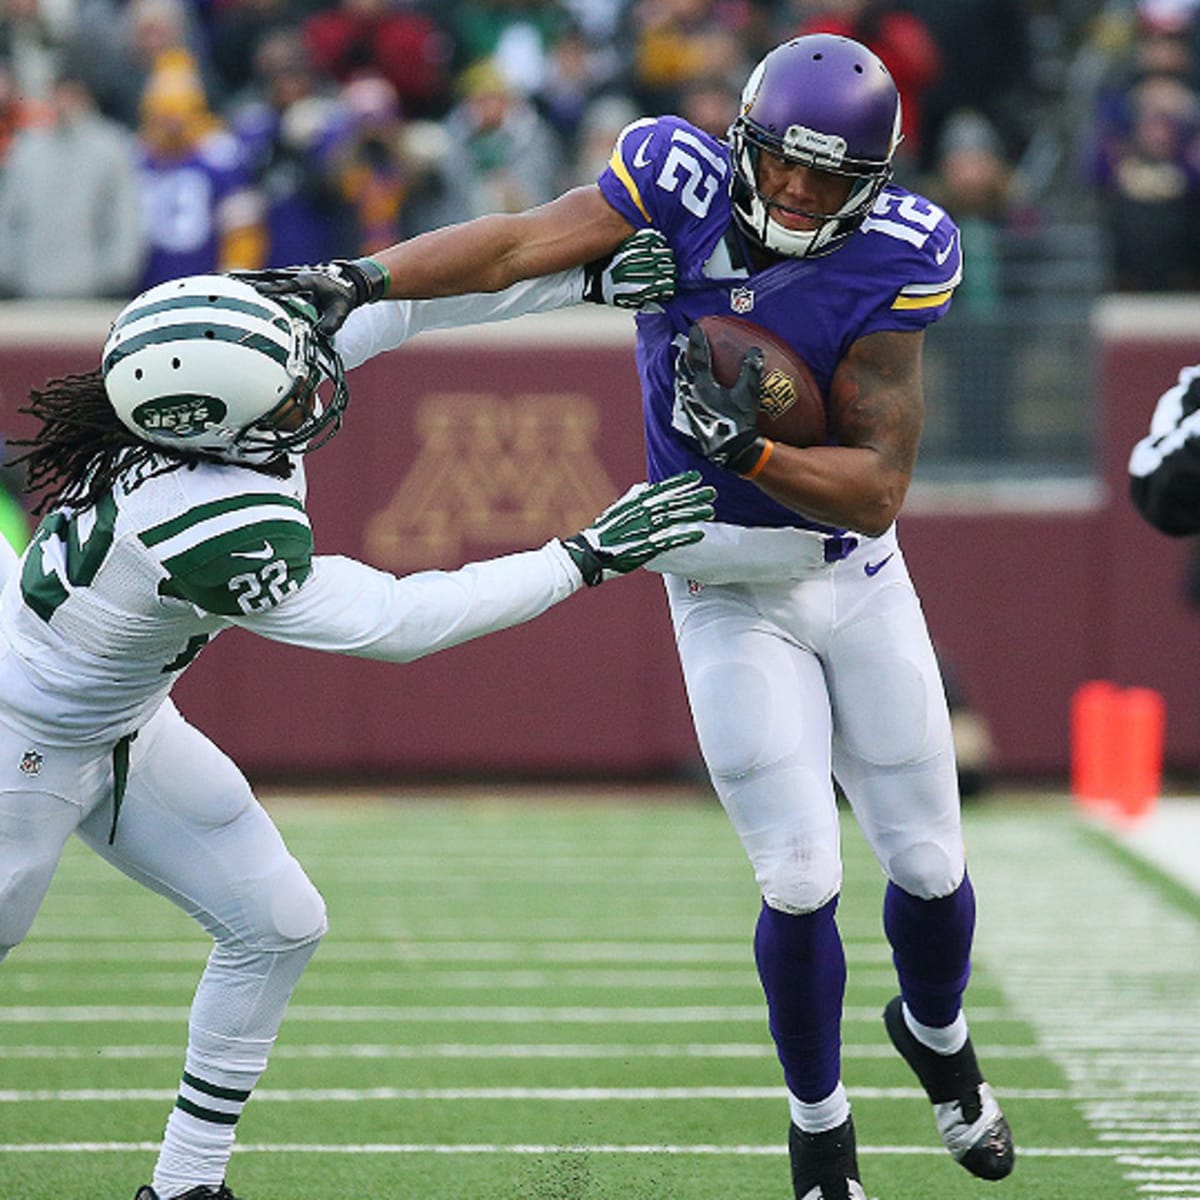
<point>648,519</point>
<point>640,271</point>
<point>334,289</point>
<point>723,419</point>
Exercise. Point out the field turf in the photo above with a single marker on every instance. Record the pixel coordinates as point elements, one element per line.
<point>530,994</point>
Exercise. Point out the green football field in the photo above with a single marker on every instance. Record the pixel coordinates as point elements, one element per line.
<point>539,995</point>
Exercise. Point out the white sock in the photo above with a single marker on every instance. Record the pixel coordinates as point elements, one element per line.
<point>823,1115</point>
<point>218,1077</point>
<point>945,1039</point>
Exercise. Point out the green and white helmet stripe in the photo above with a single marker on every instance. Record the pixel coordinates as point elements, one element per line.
<point>205,363</point>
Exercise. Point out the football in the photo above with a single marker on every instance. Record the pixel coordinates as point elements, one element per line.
<point>791,407</point>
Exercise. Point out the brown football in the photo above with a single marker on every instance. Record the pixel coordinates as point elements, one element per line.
<point>791,407</point>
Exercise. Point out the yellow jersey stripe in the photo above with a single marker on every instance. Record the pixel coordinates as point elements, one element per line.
<point>909,302</point>
<point>621,171</point>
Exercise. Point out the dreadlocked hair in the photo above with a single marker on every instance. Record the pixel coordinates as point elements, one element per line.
<point>82,448</point>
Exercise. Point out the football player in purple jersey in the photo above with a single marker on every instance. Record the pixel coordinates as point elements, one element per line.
<point>803,645</point>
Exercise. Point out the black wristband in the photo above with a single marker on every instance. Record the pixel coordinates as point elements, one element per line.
<point>585,558</point>
<point>370,278</point>
<point>593,279</point>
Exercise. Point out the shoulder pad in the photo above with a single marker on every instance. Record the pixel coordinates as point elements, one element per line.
<point>661,169</point>
<point>237,555</point>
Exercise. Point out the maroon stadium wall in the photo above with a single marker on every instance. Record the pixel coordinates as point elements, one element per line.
<point>469,445</point>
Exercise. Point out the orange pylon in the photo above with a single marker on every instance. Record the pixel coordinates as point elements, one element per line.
<point>1143,719</point>
<point>1117,739</point>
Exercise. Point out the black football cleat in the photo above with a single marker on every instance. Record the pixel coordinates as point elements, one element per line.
<point>967,1113</point>
<point>203,1192</point>
<point>825,1165</point>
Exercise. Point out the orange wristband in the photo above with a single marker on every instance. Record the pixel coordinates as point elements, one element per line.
<point>767,450</point>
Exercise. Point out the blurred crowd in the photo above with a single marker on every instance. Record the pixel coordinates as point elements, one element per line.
<point>145,139</point>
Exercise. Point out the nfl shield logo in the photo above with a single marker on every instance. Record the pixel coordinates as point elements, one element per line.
<point>741,299</point>
<point>31,762</point>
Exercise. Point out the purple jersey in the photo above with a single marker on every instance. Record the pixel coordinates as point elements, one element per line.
<point>897,272</point>
<point>184,201</point>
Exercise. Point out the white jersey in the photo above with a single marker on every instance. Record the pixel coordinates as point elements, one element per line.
<point>109,605</point>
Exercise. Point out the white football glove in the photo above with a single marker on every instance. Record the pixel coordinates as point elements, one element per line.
<point>648,519</point>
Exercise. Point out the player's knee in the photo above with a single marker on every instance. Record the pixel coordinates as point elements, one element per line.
<point>294,911</point>
<point>926,870</point>
<point>800,886</point>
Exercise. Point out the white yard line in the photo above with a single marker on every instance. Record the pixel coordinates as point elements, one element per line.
<point>701,1149</point>
<point>450,1014</point>
<point>561,1095</point>
<point>1106,973</point>
<point>457,1050</point>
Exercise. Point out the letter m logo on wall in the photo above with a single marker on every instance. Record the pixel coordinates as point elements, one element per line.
<point>492,474</point>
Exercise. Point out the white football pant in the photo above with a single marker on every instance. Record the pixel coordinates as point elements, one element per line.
<point>793,682</point>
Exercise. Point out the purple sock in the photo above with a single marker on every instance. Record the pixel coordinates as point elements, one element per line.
<point>931,947</point>
<point>803,971</point>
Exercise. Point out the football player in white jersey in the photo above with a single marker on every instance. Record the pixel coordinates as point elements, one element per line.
<point>803,645</point>
<point>175,490</point>
<point>1164,467</point>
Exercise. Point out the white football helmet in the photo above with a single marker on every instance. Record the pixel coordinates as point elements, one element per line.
<point>207,365</point>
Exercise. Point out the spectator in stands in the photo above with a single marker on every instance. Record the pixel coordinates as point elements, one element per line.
<point>201,212</point>
<point>14,112</point>
<point>603,120</point>
<point>35,38</point>
<point>679,42</point>
<point>374,176</point>
<point>986,59</point>
<point>288,134</point>
<point>70,200</point>
<point>898,36</point>
<point>569,80</point>
<point>710,104</point>
<point>507,157</point>
<point>975,184</point>
<point>396,39</point>
<point>237,30</point>
<point>517,36</point>
<point>121,45</point>
<point>1147,166</point>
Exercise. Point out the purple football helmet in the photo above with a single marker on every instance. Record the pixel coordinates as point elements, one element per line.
<point>825,102</point>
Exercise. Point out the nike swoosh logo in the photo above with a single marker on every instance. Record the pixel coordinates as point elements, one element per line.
<point>268,551</point>
<point>640,159</point>
<point>873,568</point>
<point>940,259</point>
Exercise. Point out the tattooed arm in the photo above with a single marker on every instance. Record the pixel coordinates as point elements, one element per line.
<point>877,409</point>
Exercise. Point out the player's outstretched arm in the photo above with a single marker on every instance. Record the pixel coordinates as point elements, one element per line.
<point>347,607</point>
<point>484,255</point>
<point>640,272</point>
